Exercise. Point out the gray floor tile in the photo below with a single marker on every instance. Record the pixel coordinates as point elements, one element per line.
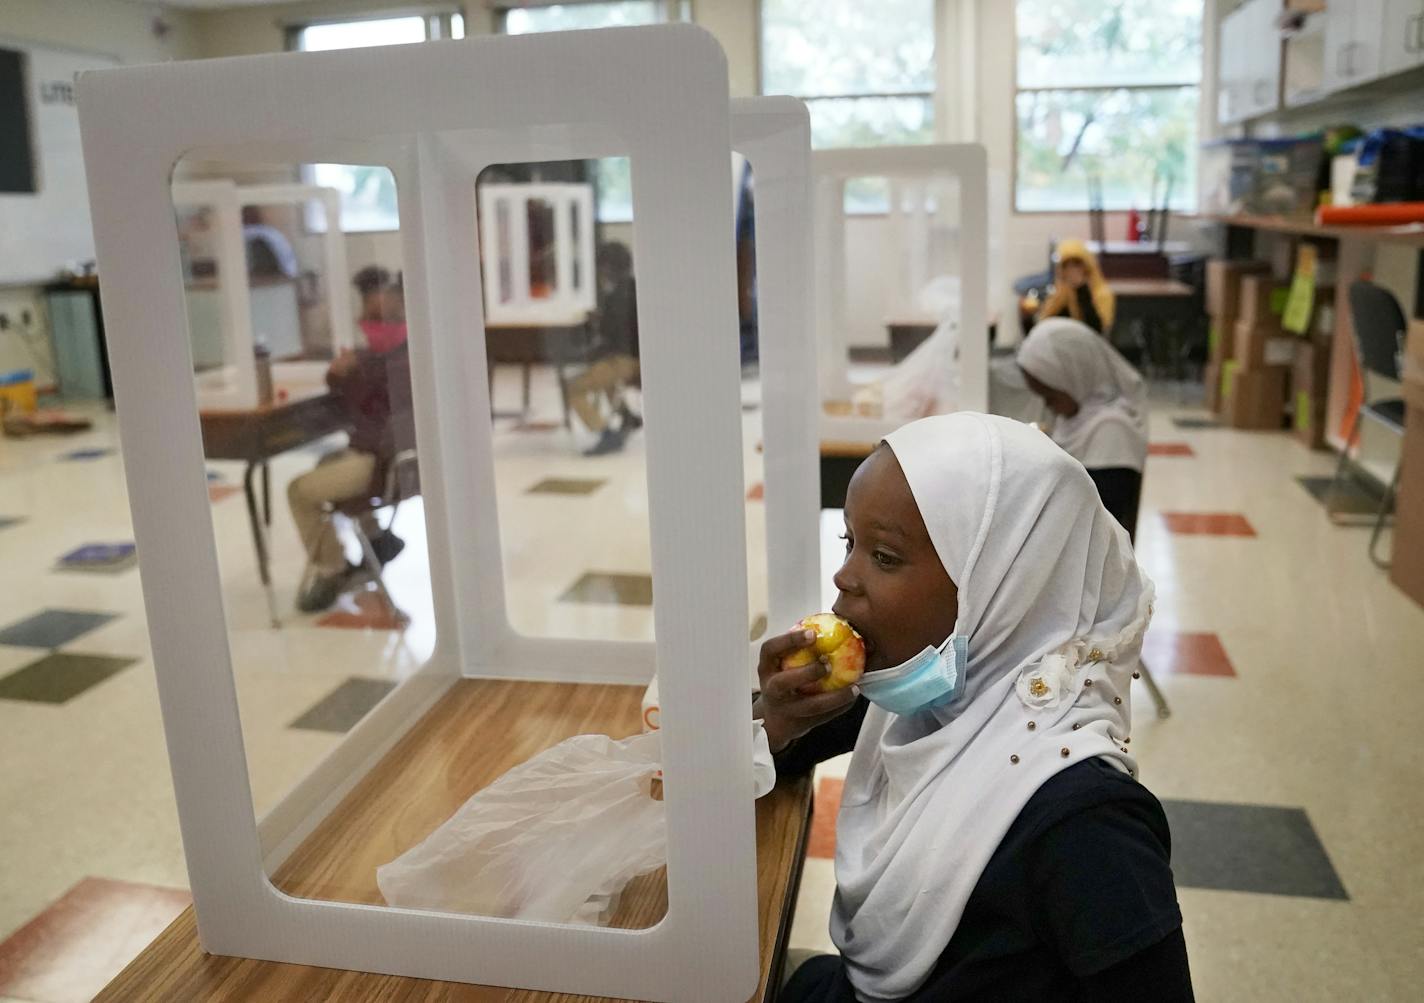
<point>52,627</point>
<point>611,590</point>
<point>340,709</point>
<point>1350,498</point>
<point>1249,848</point>
<point>60,676</point>
<point>567,486</point>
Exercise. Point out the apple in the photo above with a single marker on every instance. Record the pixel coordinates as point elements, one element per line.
<point>837,644</point>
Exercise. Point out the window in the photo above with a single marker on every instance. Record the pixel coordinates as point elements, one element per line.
<point>1107,91</point>
<point>865,70</point>
<point>613,176</point>
<point>368,194</point>
<point>523,20</point>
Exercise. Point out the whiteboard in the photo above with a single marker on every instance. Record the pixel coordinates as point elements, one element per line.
<point>45,232</point>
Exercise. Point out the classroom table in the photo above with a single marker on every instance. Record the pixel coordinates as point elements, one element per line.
<point>1166,308</point>
<point>475,732</point>
<point>839,461</point>
<point>254,436</point>
<point>558,342</point>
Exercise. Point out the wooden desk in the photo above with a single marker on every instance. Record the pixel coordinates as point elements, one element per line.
<point>559,344</point>
<point>1165,309</point>
<point>254,436</point>
<point>475,733</point>
<point>839,462</point>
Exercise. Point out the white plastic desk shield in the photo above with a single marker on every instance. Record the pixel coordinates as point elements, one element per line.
<point>774,134</point>
<point>571,295</point>
<point>235,384</point>
<point>436,115</point>
<point>912,165</point>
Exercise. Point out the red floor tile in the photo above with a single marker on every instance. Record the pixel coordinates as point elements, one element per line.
<point>74,948</point>
<point>1170,449</point>
<point>217,492</point>
<point>1208,524</point>
<point>1198,654</point>
<point>757,492</point>
<point>822,840</point>
<point>364,610</point>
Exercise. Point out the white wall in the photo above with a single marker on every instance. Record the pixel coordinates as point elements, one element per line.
<point>116,28</point>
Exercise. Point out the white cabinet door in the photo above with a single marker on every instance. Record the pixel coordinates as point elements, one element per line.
<point>1402,36</point>
<point>1339,37</point>
<point>1363,61</point>
<point>1265,56</point>
<point>1230,55</point>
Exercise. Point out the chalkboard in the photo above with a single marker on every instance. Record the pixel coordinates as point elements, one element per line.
<point>17,158</point>
<point>44,201</point>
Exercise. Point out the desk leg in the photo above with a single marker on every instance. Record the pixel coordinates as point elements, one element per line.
<point>525,375</point>
<point>266,494</point>
<point>259,542</point>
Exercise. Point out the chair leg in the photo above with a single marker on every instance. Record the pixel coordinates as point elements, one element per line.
<point>1163,711</point>
<point>1340,469</point>
<point>1386,503</point>
<point>373,566</point>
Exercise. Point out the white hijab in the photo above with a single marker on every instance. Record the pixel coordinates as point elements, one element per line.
<point>1110,428</point>
<point>1054,607</point>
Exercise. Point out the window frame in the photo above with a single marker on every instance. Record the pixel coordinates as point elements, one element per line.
<point>928,96</point>
<point>1099,88</point>
<point>438,27</point>
<point>669,11</point>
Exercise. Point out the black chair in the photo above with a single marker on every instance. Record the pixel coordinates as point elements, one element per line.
<point>1379,337</point>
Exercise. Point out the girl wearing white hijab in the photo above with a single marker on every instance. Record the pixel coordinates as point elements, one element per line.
<point>993,841</point>
<point>1100,407</point>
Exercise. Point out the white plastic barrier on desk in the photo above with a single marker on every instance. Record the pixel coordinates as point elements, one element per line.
<point>234,384</point>
<point>504,211</point>
<point>909,169</point>
<point>657,95</point>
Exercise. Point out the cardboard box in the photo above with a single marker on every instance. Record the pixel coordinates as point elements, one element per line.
<point>1414,352</point>
<point>1256,398</point>
<point>1407,563</point>
<point>1263,343</point>
<point>1211,384</point>
<point>1262,298</point>
<point>1221,337</point>
<point>1312,367</point>
<point>1308,418</point>
<point>1223,284</point>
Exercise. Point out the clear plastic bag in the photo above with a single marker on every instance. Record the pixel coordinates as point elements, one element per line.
<point>554,839</point>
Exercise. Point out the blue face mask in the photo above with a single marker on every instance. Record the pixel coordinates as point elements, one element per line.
<point>930,679</point>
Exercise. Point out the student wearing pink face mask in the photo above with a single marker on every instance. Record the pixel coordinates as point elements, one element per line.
<point>360,382</point>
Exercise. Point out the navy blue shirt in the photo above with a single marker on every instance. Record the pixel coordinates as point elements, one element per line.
<point>1077,902</point>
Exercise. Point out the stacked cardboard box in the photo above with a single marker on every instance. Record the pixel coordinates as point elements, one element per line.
<point>1223,304</point>
<point>1255,395</point>
<point>1407,567</point>
<point>1309,379</point>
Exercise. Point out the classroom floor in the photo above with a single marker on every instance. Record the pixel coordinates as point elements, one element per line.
<point>1289,765</point>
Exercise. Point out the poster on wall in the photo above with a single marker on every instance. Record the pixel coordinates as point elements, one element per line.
<point>44,201</point>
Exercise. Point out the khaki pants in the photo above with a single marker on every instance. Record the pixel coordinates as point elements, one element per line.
<point>607,377</point>
<point>336,478</point>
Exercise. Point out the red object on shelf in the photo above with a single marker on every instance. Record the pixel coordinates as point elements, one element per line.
<point>1376,214</point>
<point>1134,225</point>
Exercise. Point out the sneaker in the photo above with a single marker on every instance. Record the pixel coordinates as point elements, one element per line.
<point>609,441</point>
<point>321,593</point>
<point>387,547</point>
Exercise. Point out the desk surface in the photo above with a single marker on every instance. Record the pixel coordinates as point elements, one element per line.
<point>427,775</point>
<point>1148,287</point>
